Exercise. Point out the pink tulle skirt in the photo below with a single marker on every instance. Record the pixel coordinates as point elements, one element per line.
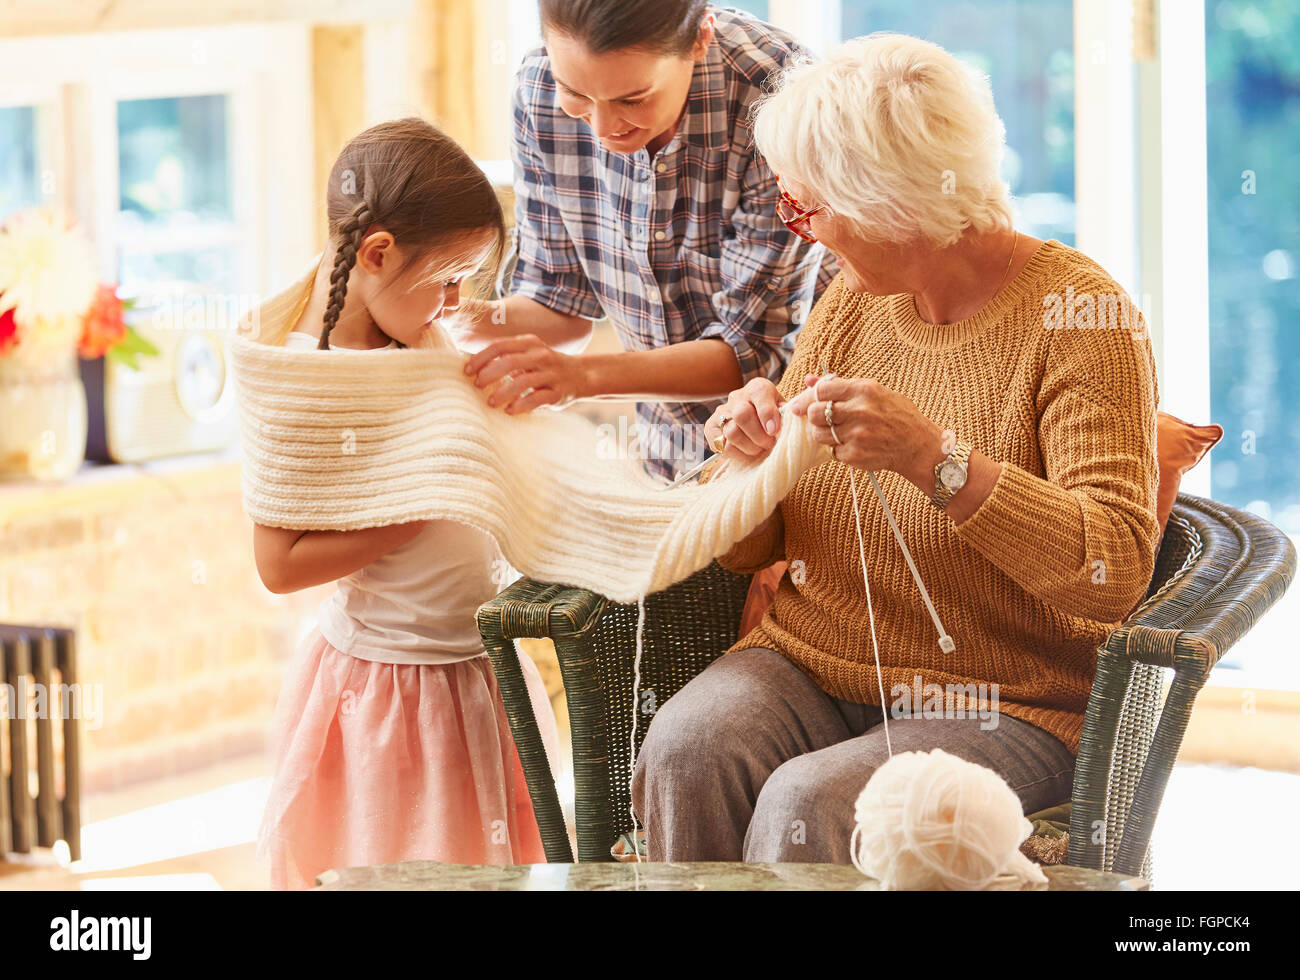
<point>376,763</point>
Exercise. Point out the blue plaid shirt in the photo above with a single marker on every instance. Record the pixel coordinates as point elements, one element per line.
<point>678,247</point>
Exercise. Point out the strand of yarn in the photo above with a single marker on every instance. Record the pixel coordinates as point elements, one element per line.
<point>871,617</point>
<point>636,688</point>
<point>871,614</point>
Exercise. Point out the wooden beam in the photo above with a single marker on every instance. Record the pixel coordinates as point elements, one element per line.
<point>446,46</point>
<point>338,102</point>
<point>22,18</point>
<point>463,75</point>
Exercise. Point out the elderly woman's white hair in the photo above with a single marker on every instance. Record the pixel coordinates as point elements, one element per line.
<point>893,133</point>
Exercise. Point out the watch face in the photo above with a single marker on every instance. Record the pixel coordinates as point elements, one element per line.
<point>952,475</point>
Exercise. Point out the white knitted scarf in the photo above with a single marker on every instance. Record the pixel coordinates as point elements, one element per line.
<point>344,439</point>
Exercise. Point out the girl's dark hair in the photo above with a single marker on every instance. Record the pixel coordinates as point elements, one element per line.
<point>413,181</point>
<point>665,26</point>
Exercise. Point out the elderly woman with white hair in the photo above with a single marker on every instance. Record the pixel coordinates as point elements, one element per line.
<point>1012,428</point>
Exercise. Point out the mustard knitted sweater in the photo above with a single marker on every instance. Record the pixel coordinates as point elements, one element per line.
<point>1055,379</point>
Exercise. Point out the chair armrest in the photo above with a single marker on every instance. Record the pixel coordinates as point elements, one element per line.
<point>529,609</point>
<point>1239,566</point>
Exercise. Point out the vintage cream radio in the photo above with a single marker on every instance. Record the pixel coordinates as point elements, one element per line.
<point>180,400</point>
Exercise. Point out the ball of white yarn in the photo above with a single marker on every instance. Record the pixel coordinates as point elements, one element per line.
<point>934,821</point>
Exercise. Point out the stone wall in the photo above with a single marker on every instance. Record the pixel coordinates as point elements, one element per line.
<point>153,567</point>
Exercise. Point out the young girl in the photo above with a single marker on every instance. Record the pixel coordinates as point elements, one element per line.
<point>390,740</point>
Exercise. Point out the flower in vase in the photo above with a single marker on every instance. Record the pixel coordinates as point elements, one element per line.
<point>8,331</point>
<point>48,279</point>
<point>105,325</point>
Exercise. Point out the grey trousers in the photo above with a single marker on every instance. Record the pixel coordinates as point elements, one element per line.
<point>752,761</point>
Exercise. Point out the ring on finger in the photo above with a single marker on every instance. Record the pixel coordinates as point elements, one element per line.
<point>829,416</point>
<point>720,444</point>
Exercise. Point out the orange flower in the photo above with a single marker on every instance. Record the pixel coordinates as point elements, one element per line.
<point>104,325</point>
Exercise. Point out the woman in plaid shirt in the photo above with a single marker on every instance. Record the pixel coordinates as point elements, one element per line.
<point>639,196</point>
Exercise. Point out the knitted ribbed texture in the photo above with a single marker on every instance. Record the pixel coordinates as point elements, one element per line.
<point>1064,546</point>
<point>345,439</point>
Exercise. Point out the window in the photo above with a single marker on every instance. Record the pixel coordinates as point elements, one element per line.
<point>173,158</point>
<point>1026,47</point>
<point>1253,144</point>
<point>759,8</point>
<point>176,216</point>
<point>20,183</point>
<point>158,145</point>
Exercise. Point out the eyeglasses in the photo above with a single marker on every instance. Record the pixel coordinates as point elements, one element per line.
<point>793,215</point>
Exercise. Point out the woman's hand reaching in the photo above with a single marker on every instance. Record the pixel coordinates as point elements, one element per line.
<point>524,372</point>
<point>749,421</point>
<point>751,417</point>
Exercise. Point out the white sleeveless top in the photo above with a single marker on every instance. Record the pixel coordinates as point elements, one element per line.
<point>416,604</point>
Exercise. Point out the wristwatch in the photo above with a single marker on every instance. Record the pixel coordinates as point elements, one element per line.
<point>950,474</point>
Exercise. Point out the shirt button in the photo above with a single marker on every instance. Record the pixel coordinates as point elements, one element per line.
<point>662,168</point>
<point>660,236</point>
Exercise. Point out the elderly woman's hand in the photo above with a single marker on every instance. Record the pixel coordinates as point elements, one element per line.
<point>878,429</point>
<point>750,420</point>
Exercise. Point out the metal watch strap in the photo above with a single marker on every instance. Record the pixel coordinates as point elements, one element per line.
<point>960,454</point>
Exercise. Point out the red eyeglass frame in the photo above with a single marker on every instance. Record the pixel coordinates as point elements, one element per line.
<point>799,216</point>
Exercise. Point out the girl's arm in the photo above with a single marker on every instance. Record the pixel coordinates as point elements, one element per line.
<point>289,560</point>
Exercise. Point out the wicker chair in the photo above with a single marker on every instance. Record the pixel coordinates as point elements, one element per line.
<point>1217,572</point>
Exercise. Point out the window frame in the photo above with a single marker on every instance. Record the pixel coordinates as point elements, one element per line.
<point>83,78</point>
<point>244,231</point>
<point>44,98</point>
<point>1180,253</point>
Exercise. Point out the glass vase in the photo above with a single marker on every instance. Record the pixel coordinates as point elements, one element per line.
<point>42,417</point>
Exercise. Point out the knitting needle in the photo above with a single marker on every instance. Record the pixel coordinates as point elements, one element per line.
<point>690,474</point>
<point>946,642</point>
<point>697,469</point>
